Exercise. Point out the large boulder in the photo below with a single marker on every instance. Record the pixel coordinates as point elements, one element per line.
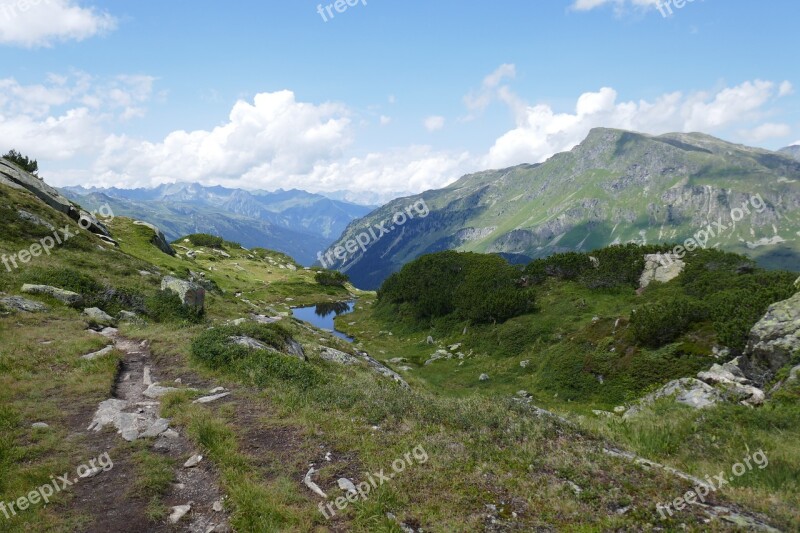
<point>13,176</point>
<point>15,303</point>
<point>191,294</point>
<point>661,268</point>
<point>775,338</point>
<point>98,316</point>
<point>158,239</point>
<point>67,297</point>
<point>686,391</point>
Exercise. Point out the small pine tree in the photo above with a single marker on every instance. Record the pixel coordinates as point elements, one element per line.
<point>28,165</point>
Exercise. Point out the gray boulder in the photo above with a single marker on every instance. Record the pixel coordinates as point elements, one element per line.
<point>12,175</point>
<point>656,270</point>
<point>98,316</point>
<point>33,219</point>
<point>336,356</point>
<point>158,239</point>
<point>67,297</point>
<point>296,349</point>
<point>686,391</point>
<point>15,303</point>
<point>775,338</point>
<point>191,294</point>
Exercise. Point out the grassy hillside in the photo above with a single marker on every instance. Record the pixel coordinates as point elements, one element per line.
<point>490,462</point>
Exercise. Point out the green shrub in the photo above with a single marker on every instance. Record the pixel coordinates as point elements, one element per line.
<point>331,278</point>
<point>204,239</point>
<point>28,165</point>
<point>215,349</point>
<point>166,306</point>
<point>64,278</point>
<point>660,323</point>
<point>469,286</point>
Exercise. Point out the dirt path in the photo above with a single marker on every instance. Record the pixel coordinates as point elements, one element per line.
<point>133,410</point>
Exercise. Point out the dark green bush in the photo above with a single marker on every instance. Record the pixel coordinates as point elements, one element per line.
<point>331,278</point>
<point>469,286</point>
<point>64,278</point>
<point>23,162</point>
<point>215,349</point>
<point>166,306</point>
<point>204,239</point>
<point>660,323</point>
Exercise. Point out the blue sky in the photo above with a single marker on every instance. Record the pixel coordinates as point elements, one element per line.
<point>385,97</point>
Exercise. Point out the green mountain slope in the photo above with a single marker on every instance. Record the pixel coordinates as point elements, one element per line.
<point>615,187</point>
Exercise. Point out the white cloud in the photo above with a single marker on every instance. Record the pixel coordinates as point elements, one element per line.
<point>385,121</point>
<point>36,23</point>
<point>67,115</point>
<point>766,131</point>
<point>478,101</point>
<point>588,5</point>
<point>541,132</point>
<point>786,89</point>
<point>434,123</point>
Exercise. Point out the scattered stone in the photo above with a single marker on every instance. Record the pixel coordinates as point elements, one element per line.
<point>217,507</point>
<point>454,347</point>
<point>620,409</point>
<point>156,391</point>
<point>524,364</point>
<point>336,356</point>
<point>313,486</point>
<point>158,239</point>
<point>159,426</point>
<point>524,394</point>
<point>66,297</point>
<point>686,391</point>
<point>398,360</point>
<point>179,511</point>
<point>127,316</point>
<point>191,294</point>
<point>296,349</point>
<point>209,399</point>
<point>170,434</point>
<point>575,488</point>
<point>90,473</point>
<point>100,353</point>
<point>603,414</point>
<point>775,338</point>
<point>15,303</point>
<point>216,390</point>
<point>484,377</point>
<point>39,425</point>
<point>661,267</point>
<point>98,316</point>
<point>430,340</point>
<point>346,485</point>
<point>193,461</point>
<point>34,219</point>
<point>147,380</point>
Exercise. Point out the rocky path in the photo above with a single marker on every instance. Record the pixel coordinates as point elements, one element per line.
<point>194,500</point>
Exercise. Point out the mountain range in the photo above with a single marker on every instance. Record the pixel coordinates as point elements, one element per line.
<point>295,222</point>
<point>615,187</point>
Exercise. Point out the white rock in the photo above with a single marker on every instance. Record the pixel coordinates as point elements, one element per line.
<point>346,485</point>
<point>179,512</point>
<point>193,461</point>
<point>100,353</point>
<point>214,398</point>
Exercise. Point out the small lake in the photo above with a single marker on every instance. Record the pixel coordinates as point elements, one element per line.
<point>322,315</point>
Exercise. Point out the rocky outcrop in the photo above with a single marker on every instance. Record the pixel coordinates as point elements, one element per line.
<point>67,297</point>
<point>191,294</point>
<point>661,268</point>
<point>774,339</point>
<point>686,391</point>
<point>13,176</point>
<point>158,239</point>
<point>98,316</point>
<point>15,303</point>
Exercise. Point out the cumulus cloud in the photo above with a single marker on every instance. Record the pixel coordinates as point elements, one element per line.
<point>434,123</point>
<point>766,131</point>
<point>541,132</point>
<point>385,121</point>
<point>38,23</point>
<point>68,115</point>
